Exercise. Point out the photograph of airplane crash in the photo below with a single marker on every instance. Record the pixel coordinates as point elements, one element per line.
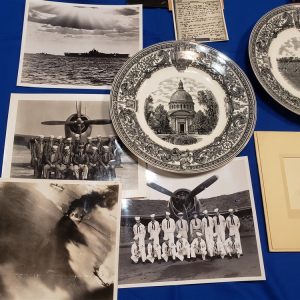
<point>58,239</point>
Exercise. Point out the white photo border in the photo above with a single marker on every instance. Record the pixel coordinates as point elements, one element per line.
<point>69,86</point>
<point>245,161</point>
<point>11,127</point>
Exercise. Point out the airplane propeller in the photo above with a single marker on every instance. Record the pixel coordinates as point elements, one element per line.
<point>78,109</point>
<point>160,189</point>
<point>54,123</point>
<point>184,198</point>
<point>81,122</point>
<point>202,186</point>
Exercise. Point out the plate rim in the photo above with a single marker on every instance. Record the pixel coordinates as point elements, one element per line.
<point>251,46</point>
<point>245,138</point>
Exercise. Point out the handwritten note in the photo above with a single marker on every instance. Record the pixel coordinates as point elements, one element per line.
<point>199,20</point>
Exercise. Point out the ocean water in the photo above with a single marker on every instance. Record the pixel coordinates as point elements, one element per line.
<point>58,70</point>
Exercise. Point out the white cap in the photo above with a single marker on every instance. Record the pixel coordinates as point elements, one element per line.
<point>167,213</point>
<point>89,137</point>
<point>180,214</point>
<point>205,212</point>
<point>76,135</point>
<point>69,139</point>
<point>216,210</point>
<point>54,147</point>
<point>59,137</point>
<point>67,147</point>
<point>137,218</point>
<point>166,238</point>
<point>179,236</point>
<point>94,148</point>
<point>215,235</point>
<point>198,233</point>
<point>230,210</point>
<point>150,238</point>
<point>152,216</point>
<point>105,147</point>
<point>41,136</point>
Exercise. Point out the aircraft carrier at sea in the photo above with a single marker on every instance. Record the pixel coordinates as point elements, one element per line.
<point>95,53</point>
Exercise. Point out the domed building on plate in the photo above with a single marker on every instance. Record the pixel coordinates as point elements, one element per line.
<point>181,110</point>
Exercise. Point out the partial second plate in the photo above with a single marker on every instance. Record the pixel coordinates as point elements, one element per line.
<point>274,51</point>
<point>183,107</point>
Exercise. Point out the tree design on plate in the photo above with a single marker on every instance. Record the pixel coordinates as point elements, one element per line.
<point>180,124</point>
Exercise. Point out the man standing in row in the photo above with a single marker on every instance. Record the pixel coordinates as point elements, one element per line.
<point>207,227</point>
<point>220,224</point>
<point>154,229</point>
<point>168,227</point>
<point>139,231</point>
<point>38,156</point>
<point>233,225</point>
<point>182,226</point>
<point>195,226</point>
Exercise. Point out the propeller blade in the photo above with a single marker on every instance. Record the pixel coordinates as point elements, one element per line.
<point>202,186</point>
<point>78,109</point>
<point>159,189</point>
<point>53,122</point>
<point>97,122</point>
<point>71,123</point>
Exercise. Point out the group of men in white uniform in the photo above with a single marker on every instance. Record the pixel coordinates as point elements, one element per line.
<point>206,236</point>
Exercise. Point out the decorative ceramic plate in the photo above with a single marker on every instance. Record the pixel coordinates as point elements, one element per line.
<point>274,50</point>
<point>183,107</point>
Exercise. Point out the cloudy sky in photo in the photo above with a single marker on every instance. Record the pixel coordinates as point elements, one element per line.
<point>55,28</point>
<point>232,178</point>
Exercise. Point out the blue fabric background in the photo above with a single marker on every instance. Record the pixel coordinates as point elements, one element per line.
<point>282,269</point>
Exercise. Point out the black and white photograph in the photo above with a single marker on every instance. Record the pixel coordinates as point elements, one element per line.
<point>181,111</point>
<point>196,229</point>
<point>77,45</point>
<point>67,137</point>
<point>59,240</point>
<point>288,61</point>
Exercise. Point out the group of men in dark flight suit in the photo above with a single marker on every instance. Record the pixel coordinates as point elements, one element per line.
<point>71,158</point>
